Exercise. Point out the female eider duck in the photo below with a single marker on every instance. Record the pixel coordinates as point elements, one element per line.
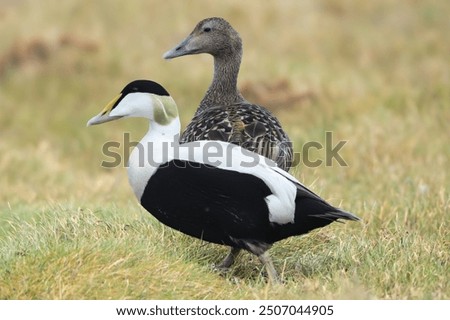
<point>213,190</point>
<point>223,113</point>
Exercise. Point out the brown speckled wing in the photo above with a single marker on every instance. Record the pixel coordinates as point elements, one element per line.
<point>248,125</point>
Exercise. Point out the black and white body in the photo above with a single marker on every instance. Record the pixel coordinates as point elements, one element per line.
<point>223,113</point>
<point>213,190</point>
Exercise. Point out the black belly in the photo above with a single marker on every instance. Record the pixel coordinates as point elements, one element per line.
<point>216,205</point>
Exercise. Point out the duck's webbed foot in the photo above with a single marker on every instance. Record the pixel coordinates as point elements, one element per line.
<point>271,272</point>
<point>229,260</point>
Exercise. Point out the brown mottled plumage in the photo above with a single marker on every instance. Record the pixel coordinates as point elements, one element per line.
<point>223,113</point>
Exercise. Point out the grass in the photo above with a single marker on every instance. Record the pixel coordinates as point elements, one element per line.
<point>375,74</point>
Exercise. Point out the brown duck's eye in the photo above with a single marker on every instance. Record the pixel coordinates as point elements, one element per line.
<point>207,29</point>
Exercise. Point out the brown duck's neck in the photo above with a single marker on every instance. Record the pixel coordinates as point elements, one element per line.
<point>223,89</point>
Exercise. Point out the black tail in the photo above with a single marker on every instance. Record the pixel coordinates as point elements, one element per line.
<point>317,207</point>
<point>337,214</point>
<point>312,212</point>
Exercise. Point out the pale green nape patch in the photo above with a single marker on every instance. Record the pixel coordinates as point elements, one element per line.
<point>165,110</point>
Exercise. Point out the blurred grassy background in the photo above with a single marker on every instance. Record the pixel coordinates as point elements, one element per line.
<point>377,74</point>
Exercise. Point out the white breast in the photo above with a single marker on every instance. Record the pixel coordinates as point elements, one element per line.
<point>145,160</point>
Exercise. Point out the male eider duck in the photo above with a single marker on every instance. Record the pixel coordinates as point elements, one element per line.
<point>213,190</point>
<point>223,113</point>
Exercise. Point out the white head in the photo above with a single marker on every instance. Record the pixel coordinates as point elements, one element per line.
<point>140,98</point>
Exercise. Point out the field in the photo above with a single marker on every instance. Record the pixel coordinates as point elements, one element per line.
<point>376,74</point>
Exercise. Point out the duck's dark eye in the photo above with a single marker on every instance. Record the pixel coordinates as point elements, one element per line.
<point>207,29</point>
